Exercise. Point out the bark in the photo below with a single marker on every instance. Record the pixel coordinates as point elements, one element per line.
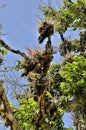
<point>6,112</point>
<point>12,50</point>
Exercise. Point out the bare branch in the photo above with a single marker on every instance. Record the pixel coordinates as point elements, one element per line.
<point>62,37</point>
<point>12,50</point>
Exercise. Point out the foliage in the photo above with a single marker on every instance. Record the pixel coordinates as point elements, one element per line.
<point>54,75</point>
<point>68,128</point>
<point>74,75</point>
<point>3,52</point>
<point>26,113</point>
<point>74,86</point>
<point>70,15</point>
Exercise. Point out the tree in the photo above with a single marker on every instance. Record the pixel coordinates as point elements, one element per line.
<point>53,88</point>
<point>72,16</point>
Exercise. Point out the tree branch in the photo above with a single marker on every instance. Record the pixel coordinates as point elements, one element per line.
<point>5,111</point>
<point>62,37</point>
<point>12,50</point>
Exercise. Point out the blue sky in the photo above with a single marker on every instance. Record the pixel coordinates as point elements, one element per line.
<point>19,19</point>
